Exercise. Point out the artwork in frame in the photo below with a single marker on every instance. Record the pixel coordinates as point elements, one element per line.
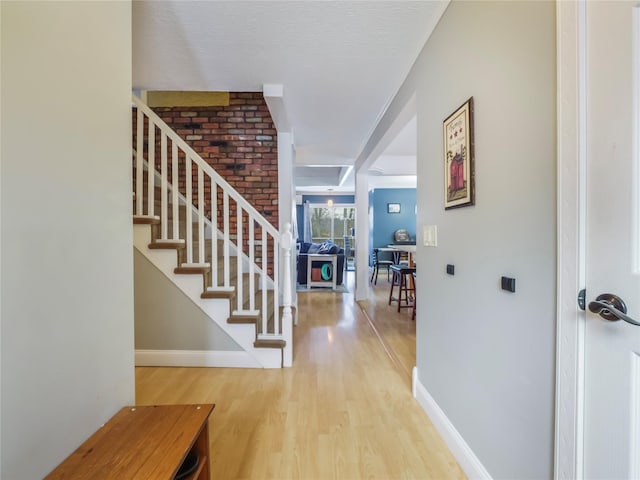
<point>393,208</point>
<point>458,157</point>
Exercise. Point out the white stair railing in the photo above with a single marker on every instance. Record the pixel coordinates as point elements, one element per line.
<point>179,168</point>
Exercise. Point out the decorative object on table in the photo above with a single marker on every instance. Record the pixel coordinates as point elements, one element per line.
<point>401,236</point>
<point>458,157</point>
<point>393,208</point>
<point>326,272</point>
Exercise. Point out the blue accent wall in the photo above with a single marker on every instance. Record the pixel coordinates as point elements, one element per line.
<point>385,224</point>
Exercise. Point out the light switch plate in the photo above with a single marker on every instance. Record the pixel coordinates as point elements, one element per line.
<point>430,235</point>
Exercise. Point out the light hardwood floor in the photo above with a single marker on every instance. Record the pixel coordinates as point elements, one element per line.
<point>396,330</point>
<point>344,410</point>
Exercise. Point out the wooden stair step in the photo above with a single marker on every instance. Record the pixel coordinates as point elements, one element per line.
<point>146,220</point>
<point>218,294</point>
<point>269,343</point>
<point>243,319</point>
<point>191,270</point>
<point>167,245</point>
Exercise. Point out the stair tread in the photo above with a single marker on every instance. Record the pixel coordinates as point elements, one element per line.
<point>243,319</point>
<point>269,343</point>
<point>191,270</point>
<point>218,294</point>
<point>146,220</point>
<point>166,245</point>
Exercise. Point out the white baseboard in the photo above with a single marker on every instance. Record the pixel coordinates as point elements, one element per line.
<point>459,448</point>
<point>195,358</point>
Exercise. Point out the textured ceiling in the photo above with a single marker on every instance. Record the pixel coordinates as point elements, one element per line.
<point>340,62</point>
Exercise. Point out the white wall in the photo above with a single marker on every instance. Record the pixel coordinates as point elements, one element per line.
<point>487,356</point>
<point>167,319</point>
<point>67,266</point>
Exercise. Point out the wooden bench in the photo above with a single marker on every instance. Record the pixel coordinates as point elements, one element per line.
<point>143,443</point>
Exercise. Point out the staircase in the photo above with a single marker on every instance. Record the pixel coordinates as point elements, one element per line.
<point>211,243</point>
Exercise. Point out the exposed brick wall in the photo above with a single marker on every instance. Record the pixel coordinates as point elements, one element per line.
<point>239,141</point>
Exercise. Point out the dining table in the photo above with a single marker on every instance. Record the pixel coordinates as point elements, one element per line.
<point>396,249</point>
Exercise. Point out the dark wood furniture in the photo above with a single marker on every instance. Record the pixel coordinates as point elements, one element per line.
<point>415,296</point>
<point>143,443</point>
<point>406,290</point>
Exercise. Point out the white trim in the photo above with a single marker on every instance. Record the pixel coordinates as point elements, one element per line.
<point>571,125</point>
<point>634,441</point>
<point>195,265</point>
<point>635,153</point>
<point>245,312</point>
<point>221,289</point>
<point>195,358</point>
<point>459,448</point>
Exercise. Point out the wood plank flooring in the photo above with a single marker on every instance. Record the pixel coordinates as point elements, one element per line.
<point>343,411</point>
<point>396,330</point>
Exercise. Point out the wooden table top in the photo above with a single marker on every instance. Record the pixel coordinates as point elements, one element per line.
<point>138,443</point>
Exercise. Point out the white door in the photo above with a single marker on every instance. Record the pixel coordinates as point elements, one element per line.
<point>612,348</point>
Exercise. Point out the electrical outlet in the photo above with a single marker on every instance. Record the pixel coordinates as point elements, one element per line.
<point>508,284</point>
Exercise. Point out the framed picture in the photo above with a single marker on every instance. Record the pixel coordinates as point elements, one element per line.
<point>393,208</point>
<point>458,157</point>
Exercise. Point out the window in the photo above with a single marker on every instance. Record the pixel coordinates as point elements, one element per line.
<point>332,223</point>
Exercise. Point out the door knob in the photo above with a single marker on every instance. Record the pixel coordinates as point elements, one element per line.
<point>612,308</point>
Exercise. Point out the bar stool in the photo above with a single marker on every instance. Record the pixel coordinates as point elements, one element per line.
<point>400,273</point>
<point>415,295</point>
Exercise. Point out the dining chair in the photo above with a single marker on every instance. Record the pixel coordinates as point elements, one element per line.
<point>377,263</point>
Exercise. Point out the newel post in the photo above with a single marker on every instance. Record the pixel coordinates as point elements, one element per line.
<point>286,240</point>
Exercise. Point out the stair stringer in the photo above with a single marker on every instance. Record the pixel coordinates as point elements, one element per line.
<point>218,310</point>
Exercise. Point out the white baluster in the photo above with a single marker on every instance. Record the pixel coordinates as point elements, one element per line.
<point>139,161</point>
<point>201,258</point>
<point>175,189</point>
<point>151,168</point>
<point>239,276</point>
<point>225,233</point>
<point>164,217</point>
<point>214,234</point>
<point>263,279</point>
<point>188,216</point>
<point>252,265</point>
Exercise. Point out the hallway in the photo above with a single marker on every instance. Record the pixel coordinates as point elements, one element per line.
<point>344,410</point>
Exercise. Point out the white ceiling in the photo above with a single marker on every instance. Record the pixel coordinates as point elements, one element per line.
<point>339,62</point>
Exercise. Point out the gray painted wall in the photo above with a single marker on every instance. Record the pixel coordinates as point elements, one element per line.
<point>67,265</point>
<point>166,319</point>
<point>487,356</point>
